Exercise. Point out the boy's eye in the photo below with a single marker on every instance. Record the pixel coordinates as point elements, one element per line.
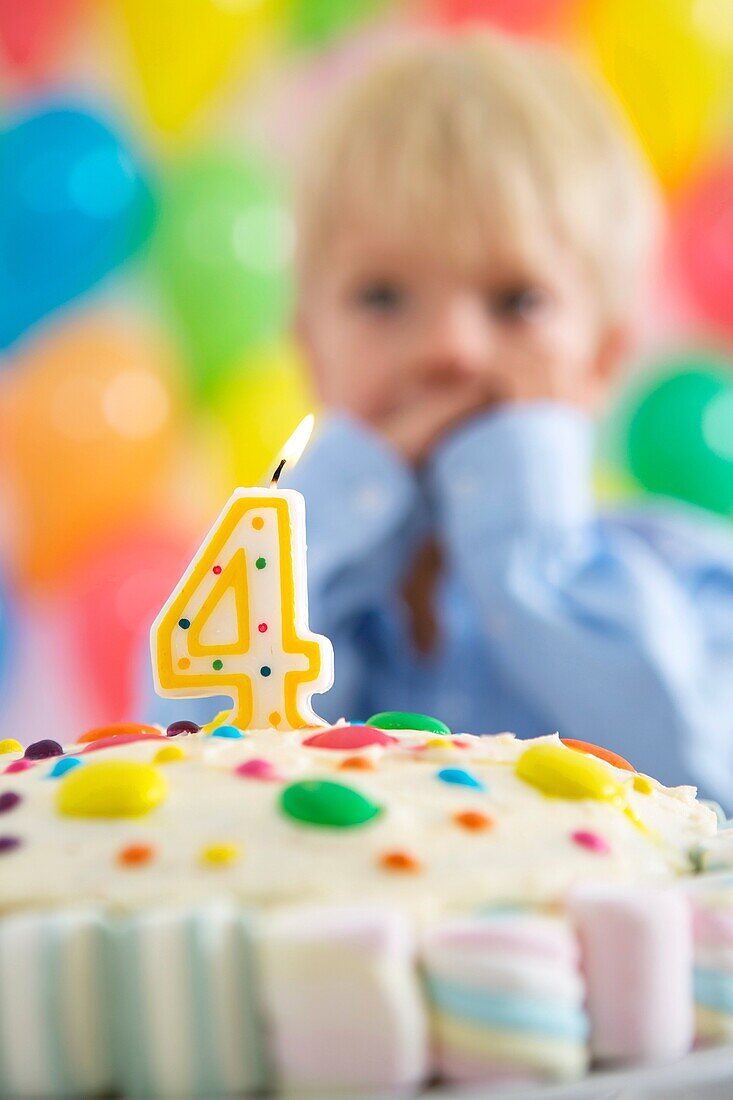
<point>518,302</point>
<point>381,296</point>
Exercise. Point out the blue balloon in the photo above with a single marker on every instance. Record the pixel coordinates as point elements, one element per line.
<point>6,627</point>
<point>74,205</point>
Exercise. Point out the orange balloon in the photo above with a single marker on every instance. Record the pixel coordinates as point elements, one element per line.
<point>596,750</point>
<point>87,416</point>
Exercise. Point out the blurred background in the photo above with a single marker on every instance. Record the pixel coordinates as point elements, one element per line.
<point>145,240</point>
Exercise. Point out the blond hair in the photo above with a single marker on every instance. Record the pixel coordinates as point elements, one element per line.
<point>450,138</point>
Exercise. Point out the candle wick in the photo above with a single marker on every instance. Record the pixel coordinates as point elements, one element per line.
<point>276,476</point>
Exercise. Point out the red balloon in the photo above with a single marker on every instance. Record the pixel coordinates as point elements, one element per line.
<point>32,32</point>
<point>518,16</point>
<point>114,598</point>
<point>704,236</point>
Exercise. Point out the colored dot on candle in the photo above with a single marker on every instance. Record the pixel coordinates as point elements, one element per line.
<point>184,623</point>
<point>275,718</point>
<point>265,670</point>
<point>262,628</point>
<point>258,523</point>
<point>184,662</point>
<point>260,563</point>
<point>216,569</point>
<point>217,665</point>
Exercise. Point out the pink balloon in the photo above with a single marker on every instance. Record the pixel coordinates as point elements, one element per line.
<point>704,243</point>
<point>32,32</point>
<point>519,16</point>
<point>114,598</point>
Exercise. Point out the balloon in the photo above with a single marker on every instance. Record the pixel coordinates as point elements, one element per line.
<point>6,635</point>
<point>183,49</point>
<point>73,206</point>
<point>669,61</point>
<point>86,433</point>
<point>519,16</point>
<point>113,596</point>
<point>31,32</point>
<point>704,236</point>
<point>680,435</point>
<point>316,22</point>
<point>258,410</point>
<point>222,251</point>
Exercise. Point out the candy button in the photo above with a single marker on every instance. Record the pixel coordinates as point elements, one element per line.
<point>560,772</point>
<point>592,841</point>
<point>357,763</point>
<point>175,729</point>
<point>10,745</point>
<point>170,754</point>
<point>220,855</point>
<point>257,769</point>
<point>459,776</point>
<point>116,729</point>
<point>407,720</point>
<point>400,861</point>
<point>596,750</point>
<point>227,731</point>
<point>42,750</point>
<point>19,766</point>
<point>347,738</point>
<point>115,788</point>
<point>135,855</point>
<point>473,820</point>
<point>61,767</point>
<point>9,843</point>
<point>8,801</point>
<point>322,802</point>
<point>122,739</point>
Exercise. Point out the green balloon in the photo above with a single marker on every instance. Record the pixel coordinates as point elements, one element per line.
<point>680,434</point>
<point>222,254</point>
<point>316,22</point>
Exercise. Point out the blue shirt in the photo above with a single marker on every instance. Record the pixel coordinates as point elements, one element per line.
<point>613,627</point>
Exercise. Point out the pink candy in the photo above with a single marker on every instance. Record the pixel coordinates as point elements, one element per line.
<point>18,766</point>
<point>592,841</point>
<point>257,769</point>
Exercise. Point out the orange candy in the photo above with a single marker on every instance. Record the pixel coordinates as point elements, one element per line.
<point>596,750</point>
<point>473,820</point>
<point>116,729</point>
<point>400,861</point>
<point>135,855</point>
<point>358,763</point>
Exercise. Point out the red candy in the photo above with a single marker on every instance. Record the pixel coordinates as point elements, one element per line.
<point>257,769</point>
<point>125,739</point>
<point>346,738</point>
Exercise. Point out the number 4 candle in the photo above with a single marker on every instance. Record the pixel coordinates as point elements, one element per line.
<point>237,624</point>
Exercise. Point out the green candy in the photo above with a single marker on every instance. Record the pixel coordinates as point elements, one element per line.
<point>406,720</point>
<point>322,802</point>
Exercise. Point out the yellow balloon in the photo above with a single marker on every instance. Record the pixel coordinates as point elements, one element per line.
<point>183,49</point>
<point>258,408</point>
<point>669,62</point>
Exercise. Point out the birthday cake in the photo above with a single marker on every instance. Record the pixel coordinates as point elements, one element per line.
<point>219,911</point>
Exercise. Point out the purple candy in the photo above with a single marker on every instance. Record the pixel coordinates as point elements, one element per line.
<point>41,750</point>
<point>177,728</point>
<point>8,843</point>
<point>8,801</point>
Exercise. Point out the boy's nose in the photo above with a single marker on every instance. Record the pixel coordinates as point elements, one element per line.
<point>457,341</point>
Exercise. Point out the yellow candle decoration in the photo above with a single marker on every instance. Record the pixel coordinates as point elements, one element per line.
<point>237,624</point>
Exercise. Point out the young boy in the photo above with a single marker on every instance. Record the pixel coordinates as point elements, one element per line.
<point>473,231</point>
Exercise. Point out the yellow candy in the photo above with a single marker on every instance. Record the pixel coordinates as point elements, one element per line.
<point>10,745</point>
<point>115,788</point>
<point>169,754</point>
<point>560,772</point>
<point>643,784</point>
<point>220,854</point>
<point>439,743</point>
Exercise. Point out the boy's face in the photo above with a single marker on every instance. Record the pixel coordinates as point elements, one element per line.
<point>412,344</point>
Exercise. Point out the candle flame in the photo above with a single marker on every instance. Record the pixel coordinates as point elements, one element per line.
<point>293,449</point>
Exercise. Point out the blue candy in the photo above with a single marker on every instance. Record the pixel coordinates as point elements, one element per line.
<point>227,731</point>
<point>461,777</point>
<point>61,767</point>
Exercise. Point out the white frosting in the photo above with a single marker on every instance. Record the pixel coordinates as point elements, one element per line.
<point>527,856</point>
